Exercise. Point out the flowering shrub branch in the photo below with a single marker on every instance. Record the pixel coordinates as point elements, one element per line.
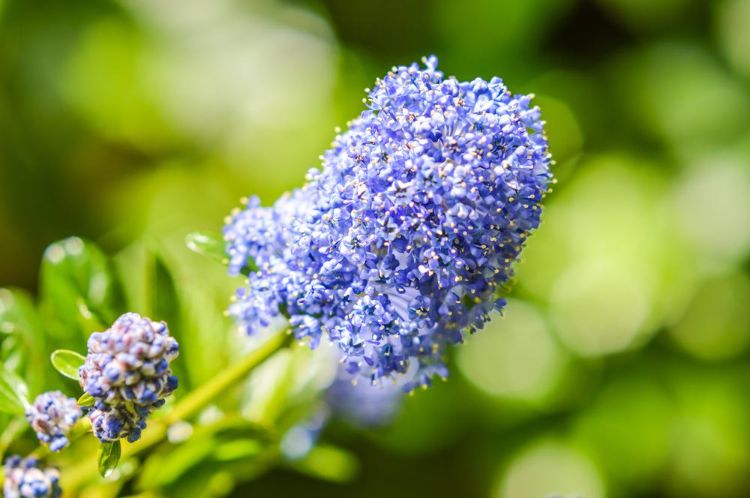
<point>393,251</point>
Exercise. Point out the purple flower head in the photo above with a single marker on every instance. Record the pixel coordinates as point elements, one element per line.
<point>127,372</point>
<point>52,416</point>
<point>403,240</point>
<point>255,236</point>
<point>24,478</point>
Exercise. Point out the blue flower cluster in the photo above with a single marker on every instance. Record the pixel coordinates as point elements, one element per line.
<point>52,416</point>
<point>403,240</point>
<point>23,478</point>
<point>127,372</point>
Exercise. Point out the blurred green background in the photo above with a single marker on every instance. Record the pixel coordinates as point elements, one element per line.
<point>621,366</point>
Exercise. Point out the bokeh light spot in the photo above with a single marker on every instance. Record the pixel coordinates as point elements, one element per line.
<point>683,96</point>
<point>598,308</point>
<point>629,421</point>
<point>712,206</point>
<point>551,469</point>
<point>711,445</point>
<point>514,356</point>
<point>716,324</point>
<point>732,21</point>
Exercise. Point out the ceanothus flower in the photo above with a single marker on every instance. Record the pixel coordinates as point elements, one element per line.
<point>24,478</point>
<point>124,420</point>
<point>127,373</point>
<point>52,416</point>
<point>402,242</point>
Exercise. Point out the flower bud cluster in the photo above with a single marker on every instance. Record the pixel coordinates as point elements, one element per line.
<point>127,373</point>
<point>24,478</point>
<point>52,416</point>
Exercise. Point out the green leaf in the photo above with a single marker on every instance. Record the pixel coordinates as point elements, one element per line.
<point>163,469</point>
<point>86,400</point>
<point>150,288</point>
<point>203,335</point>
<point>229,440</point>
<point>207,244</point>
<point>13,392</point>
<point>22,336</point>
<point>238,449</point>
<point>11,427</point>
<point>165,302</point>
<point>109,457</point>
<point>79,293</point>
<point>67,362</point>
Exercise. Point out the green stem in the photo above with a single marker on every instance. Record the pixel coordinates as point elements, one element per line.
<point>186,408</point>
<point>198,399</point>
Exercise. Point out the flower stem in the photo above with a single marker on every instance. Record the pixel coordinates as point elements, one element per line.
<point>201,397</point>
<point>186,408</point>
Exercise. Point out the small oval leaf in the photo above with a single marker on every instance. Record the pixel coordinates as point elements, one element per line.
<point>86,400</point>
<point>67,362</point>
<point>109,457</point>
<point>207,245</point>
